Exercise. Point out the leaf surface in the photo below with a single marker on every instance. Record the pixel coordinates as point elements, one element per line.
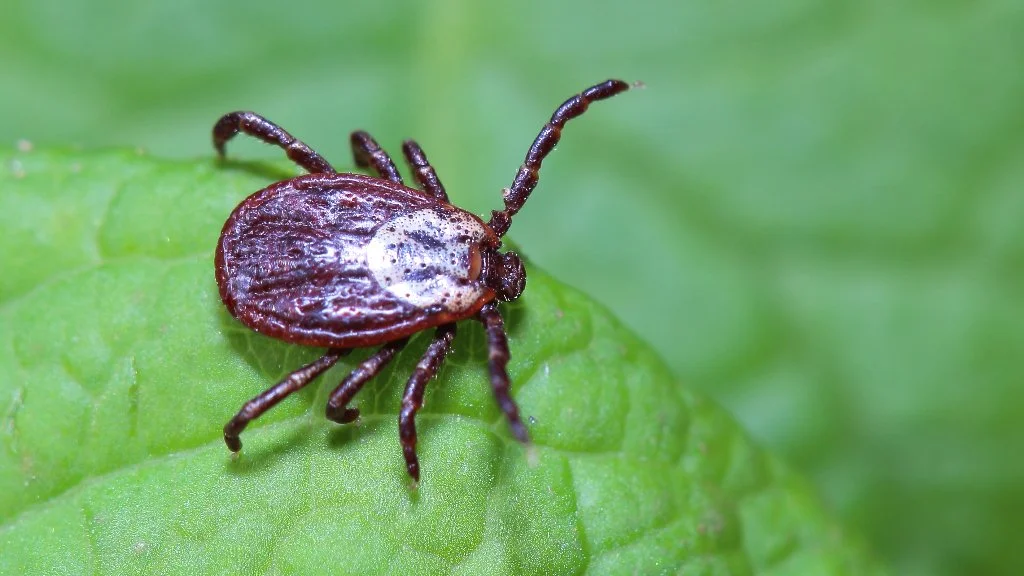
<point>120,366</point>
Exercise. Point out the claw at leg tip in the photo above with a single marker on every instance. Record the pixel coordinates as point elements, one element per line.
<point>520,433</point>
<point>234,444</point>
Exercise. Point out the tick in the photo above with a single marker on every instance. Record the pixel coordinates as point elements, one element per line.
<point>345,261</point>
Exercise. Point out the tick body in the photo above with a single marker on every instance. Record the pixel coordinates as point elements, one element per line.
<point>346,261</point>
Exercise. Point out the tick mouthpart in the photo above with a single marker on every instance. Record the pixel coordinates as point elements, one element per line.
<point>505,274</point>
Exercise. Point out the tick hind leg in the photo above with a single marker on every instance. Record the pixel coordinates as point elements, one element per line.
<point>412,400</point>
<point>368,154</point>
<point>497,363</point>
<point>337,404</point>
<point>259,127</point>
<point>423,171</point>
<point>270,397</point>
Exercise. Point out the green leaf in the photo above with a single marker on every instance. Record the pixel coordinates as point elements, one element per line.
<point>119,366</point>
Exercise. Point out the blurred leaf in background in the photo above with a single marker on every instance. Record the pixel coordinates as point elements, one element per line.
<point>814,211</point>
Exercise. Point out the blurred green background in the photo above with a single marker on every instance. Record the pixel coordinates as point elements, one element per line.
<point>815,211</point>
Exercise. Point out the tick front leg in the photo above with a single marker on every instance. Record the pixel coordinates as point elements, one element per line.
<point>337,404</point>
<point>497,363</point>
<point>257,126</point>
<point>412,401</point>
<point>423,171</point>
<point>368,154</point>
<point>270,397</point>
<point>529,173</point>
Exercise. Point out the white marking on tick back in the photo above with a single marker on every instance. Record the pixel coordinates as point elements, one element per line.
<point>423,258</point>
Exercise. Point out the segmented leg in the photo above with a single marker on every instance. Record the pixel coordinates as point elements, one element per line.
<point>368,154</point>
<point>497,362</point>
<point>527,176</point>
<point>412,401</point>
<point>257,126</point>
<point>337,404</point>
<point>423,171</point>
<point>270,397</point>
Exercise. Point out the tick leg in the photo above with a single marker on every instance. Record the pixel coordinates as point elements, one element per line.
<point>270,397</point>
<point>367,153</point>
<point>255,125</point>
<point>412,401</point>
<point>528,174</point>
<point>497,362</point>
<point>337,404</point>
<point>423,171</point>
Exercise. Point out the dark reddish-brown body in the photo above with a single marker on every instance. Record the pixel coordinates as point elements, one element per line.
<point>345,261</point>
<point>291,262</point>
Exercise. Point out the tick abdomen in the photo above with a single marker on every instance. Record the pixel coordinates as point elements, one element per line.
<point>340,260</point>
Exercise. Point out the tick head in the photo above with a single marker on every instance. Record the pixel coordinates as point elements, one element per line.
<point>505,274</point>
